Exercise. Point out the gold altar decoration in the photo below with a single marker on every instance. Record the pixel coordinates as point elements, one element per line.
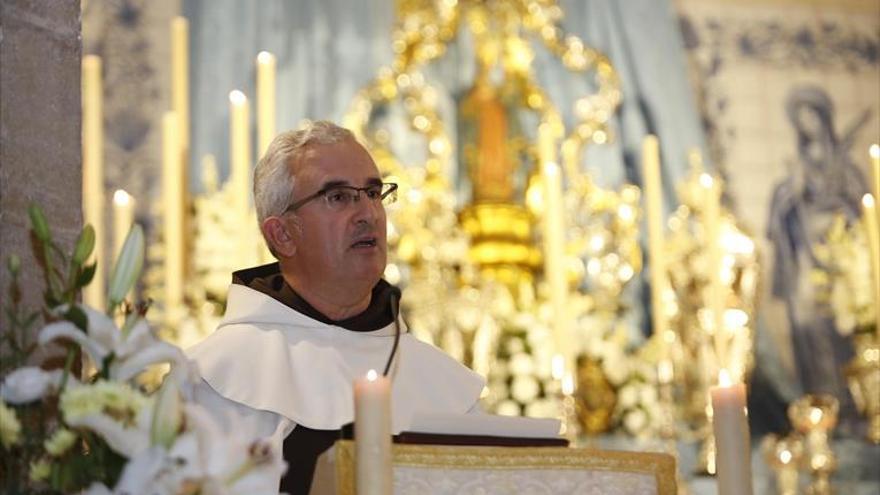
<point>702,349</point>
<point>783,455</point>
<point>473,279</point>
<point>814,417</point>
<point>844,286</point>
<point>464,236</point>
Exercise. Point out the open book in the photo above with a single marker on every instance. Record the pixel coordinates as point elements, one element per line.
<point>482,429</point>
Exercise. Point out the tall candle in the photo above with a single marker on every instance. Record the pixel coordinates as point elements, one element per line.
<point>265,101</point>
<point>372,430</point>
<point>656,258</point>
<point>93,173</point>
<point>172,196</point>
<point>240,156</point>
<point>732,448</point>
<point>554,258</point>
<point>180,77</point>
<point>872,229</point>
<point>874,153</point>
<point>123,217</point>
<point>711,220</point>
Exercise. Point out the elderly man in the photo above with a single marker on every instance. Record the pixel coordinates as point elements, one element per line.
<point>296,333</point>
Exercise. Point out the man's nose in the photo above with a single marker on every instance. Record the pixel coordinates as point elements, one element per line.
<point>365,209</point>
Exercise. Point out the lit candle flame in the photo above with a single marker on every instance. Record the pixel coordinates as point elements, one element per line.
<point>372,376</point>
<point>874,151</point>
<point>706,180</point>
<point>568,384</point>
<point>868,201</point>
<point>264,57</point>
<point>724,379</point>
<point>237,97</point>
<point>557,366</point>
<point>121,198</point>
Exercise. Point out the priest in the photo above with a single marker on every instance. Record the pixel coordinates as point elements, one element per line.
<point>297,333</point>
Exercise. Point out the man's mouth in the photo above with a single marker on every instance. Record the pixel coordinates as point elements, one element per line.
<point>366,242</point>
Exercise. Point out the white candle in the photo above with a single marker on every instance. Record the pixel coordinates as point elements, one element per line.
<point>240,157</point>
<point>265,101</point>
<point>872,229</point>
<point>372,429</point>
<point>180,78</point>
<point>554,259</point>
<point>172,196</point>
<point>711,223</point>
<point>874,153</point>
<point>731,427</point>
<point>93,173</point>
<point>123,217</point>
<point>656,258</point>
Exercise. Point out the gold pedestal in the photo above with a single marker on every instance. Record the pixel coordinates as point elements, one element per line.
<point>863,373</point>
<point>501,242</point>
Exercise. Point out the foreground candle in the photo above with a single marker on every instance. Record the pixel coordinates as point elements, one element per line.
<point>372,430</point>
<point>732,452</point>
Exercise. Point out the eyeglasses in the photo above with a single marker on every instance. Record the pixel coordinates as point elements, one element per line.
<point>338,198</point>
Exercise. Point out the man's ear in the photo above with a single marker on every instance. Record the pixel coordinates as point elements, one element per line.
<point>279,237</point>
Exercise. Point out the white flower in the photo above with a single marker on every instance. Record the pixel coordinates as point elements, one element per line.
<point>627,397</point>
<point>10,428</point>
<point>132,350</point>
<point>29,383</point>
<point>524,388</point>
<point>635,421</point>
<point>118,413</point>
<point>521,364</point>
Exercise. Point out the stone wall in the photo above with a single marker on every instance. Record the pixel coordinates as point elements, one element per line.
<point>40,127</point>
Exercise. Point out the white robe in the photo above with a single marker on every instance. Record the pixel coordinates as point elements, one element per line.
<point>268,368</point>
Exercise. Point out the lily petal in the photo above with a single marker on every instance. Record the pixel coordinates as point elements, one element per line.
<point>126,441</point>
<point>143,473</point>
<point>139,337</point>
<point>65,329</point>
<point>159,352</point>
<point>102,328</point>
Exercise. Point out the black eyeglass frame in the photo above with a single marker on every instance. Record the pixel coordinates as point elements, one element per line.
<point>391,187</point>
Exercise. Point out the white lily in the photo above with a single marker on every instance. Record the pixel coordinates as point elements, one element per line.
<point>233,464</point>
<point>28,384</point>
<point>132,351</point>
<point>205,459</point>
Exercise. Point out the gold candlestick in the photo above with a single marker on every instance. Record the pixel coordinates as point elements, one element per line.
<point>815,416</point>
<point>784,456</point>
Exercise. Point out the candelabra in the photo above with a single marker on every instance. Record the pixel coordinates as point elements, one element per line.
<point>714,324</point>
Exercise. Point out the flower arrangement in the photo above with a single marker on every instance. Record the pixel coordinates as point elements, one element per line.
<point>87,425</point>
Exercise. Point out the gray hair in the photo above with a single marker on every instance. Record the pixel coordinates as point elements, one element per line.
<point>273,178</point>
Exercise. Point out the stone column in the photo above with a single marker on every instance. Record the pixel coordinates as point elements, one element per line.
<point>40,122</point>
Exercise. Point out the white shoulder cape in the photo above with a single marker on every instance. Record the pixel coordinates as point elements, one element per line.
<point>269,357</point>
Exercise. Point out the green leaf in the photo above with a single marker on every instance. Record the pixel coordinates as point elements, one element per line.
<point>78,317</point>
<point>86,275</point>
<point>84,245</point>
<point>39,224</point>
